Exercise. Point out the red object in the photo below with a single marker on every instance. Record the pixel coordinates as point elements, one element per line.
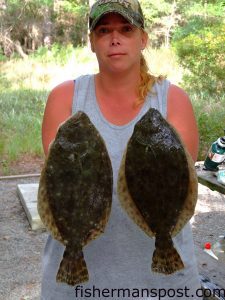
<point>207,246</point>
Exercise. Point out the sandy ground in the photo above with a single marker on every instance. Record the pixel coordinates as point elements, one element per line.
<point>208,222</point>
<point>20,247</point>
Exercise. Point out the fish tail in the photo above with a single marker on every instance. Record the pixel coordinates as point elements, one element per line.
<point>165,258</point>
<point>72,269</point>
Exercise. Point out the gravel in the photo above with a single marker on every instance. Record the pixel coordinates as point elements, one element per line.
<point>21,248</point>
<point>208,221</point>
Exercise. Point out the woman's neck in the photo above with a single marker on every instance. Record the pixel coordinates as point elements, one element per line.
<point>116,97</point>
<point>118,86</point>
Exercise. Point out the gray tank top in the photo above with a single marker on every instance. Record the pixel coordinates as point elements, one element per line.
<point>119,261</point>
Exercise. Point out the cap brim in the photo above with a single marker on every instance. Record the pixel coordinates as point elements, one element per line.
<point>122,13</point>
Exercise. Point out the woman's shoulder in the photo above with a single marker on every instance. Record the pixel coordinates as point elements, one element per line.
<point>178,98</point>
<point>58,108</point>
<point>68,87</point>
<point>176,90</point>
<point>181,116</point>
<point>62,89</point>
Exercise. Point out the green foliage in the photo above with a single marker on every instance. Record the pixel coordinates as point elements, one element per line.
<point>200,45</point>
<point>71,20</point>
<point>58,54</point>
<point>24,85</point>
<point>160,20</point>
<point>19,11</point>
<point>206,9</point>
<point>21,109</point>
<point>154,9</point>
<point>78,7</point>
<point>164,18</point>
<point>194,26</point>
<point>210,112</point>
<point>2,57</point>
<point>35,23</point>
<point>21,114</point>
<point>18,5</point>
<point>61,54</point>
<point>66,21</point>
<point>202,54</point>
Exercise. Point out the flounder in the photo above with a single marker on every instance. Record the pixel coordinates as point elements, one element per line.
<point>75,192</point>
<point>157,186</point>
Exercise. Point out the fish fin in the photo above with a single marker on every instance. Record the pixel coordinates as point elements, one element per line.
<point>127,202</point>
<point>72,269</point>
<point>44,209</point>
<point>192,195</point>
<point>165,257</point>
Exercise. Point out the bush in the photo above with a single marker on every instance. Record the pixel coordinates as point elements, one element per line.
<point>210,112</point>
<point>2,56</point>
<point>58,54</point>
<point>200,46</point>
<point>202,54</point>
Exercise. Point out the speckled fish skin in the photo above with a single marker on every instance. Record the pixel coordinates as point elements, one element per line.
<point>75,192</point>
<point>157,186</point>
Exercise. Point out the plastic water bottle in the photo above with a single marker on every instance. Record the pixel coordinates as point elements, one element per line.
<point>216,155</point>
<point>219,249</point>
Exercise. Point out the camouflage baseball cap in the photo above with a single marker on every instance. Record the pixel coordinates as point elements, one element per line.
<point>129,9</point>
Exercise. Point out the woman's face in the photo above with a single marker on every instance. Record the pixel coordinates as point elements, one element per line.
<point>117,43</point>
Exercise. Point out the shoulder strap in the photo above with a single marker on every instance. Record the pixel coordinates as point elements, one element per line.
<point>162,92</point>
<point>81,92</point>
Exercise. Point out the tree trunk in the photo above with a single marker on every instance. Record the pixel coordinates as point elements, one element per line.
<point>47,26</point>
<point>19,50</point>
<point>170,24</point>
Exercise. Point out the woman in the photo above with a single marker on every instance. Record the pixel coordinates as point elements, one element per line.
<point>115,99</point>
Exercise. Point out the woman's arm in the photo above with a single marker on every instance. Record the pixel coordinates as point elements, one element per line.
<point>57,110</point>
<point>181,117</point>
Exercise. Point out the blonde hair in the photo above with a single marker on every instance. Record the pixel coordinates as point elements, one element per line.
<point>147,81</point>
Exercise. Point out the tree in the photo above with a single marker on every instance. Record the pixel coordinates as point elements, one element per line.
<point>200,45</point>
<point>22,25</point>
<point>27,25</point>
<point>70,22</point>
<point>161,19</point>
